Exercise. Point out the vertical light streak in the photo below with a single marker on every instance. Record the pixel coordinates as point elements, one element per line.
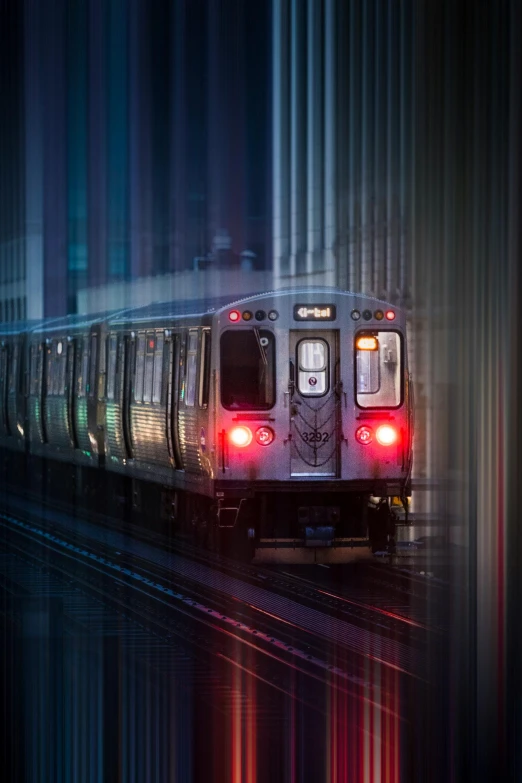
<point>251,729</point>
<point>292,745</point>
<point>465,254</point>
<point>237,728</point>
<point>331,739</point>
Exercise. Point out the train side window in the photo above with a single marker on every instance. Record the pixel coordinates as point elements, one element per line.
<point>33,369</point>
<point>13,368</point>
<point>149,366</point>
<point>111,365</point>
<point>49,370</point>
<point>204,370</point>
<point>56,366</point>
<point>92,367</point>
<point>192,366</point>
<point>378,362</point>
<point>82,378</point>
<point>140,367</point>
<point>312,378</point>
<point>158,368</point>
<point>61,356</point>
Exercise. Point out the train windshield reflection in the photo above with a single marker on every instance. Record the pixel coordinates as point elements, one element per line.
<point>379,372</point>
<point>247,369</point>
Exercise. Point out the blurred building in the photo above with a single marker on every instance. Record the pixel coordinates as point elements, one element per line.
<point>14,288</point>
<point>343,110</point>
<point>133,138</point>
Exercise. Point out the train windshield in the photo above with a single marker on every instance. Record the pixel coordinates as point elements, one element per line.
<point>378,369</point>
<point>247,369</point>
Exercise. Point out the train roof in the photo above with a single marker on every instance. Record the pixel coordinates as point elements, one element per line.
<point>304,291</point>
<point>159,311</point>
<point>68,322</point>
<point>197,308</point>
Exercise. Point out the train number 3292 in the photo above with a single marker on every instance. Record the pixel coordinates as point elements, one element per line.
<point>315,437</point>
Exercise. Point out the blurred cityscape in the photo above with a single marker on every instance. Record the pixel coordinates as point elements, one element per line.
<point>187,148</point>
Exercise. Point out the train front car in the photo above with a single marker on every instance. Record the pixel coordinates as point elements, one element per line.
<point>313,417</point>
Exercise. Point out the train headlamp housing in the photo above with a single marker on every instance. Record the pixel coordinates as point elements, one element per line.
<point>364,435</point>
<point>367,343</point>
<point>241,436</point>
<point>265,436</point>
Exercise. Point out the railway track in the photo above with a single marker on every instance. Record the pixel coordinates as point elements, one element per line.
<point>324,618</point>
<point>251,642</point>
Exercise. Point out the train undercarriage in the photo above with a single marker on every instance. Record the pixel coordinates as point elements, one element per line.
<point>297,525</point>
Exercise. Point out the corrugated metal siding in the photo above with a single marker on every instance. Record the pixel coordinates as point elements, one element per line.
<point>114,430</point>
<point>188,424</point>
<point>57,422</point>
<point>82,430</point>
<point>34,413</point>
<point>148,433</point>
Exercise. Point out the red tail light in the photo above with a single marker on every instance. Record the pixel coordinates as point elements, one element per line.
<point>241,436</point>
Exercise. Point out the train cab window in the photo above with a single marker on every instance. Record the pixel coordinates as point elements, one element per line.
<point>204,370</point>
<point>192,366</point>
<point>378,362</point>
<point>247,369</point>
<point>312,379</point>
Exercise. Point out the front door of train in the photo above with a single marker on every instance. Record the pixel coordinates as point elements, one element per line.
<point>314,403</point>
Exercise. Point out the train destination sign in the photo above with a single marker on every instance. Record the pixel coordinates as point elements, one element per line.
<point>310,312</point>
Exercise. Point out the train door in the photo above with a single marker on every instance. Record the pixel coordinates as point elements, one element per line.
<point>14,387</point>
<point>314,403</point>
<point>126,365</point>
<point>23,378</point>
<point>46,376</point>
<point>70,390</point>
<point>4,424</point>
<point>173,400</point>
<point>92,390</point>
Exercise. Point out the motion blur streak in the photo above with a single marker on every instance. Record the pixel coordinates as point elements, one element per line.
<point>363,735</point>
<point>467,246</point>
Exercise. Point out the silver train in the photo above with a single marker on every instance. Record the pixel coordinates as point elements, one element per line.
<point>267,422</point>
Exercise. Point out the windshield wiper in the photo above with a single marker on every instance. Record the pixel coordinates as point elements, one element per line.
<point>261,351</point>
